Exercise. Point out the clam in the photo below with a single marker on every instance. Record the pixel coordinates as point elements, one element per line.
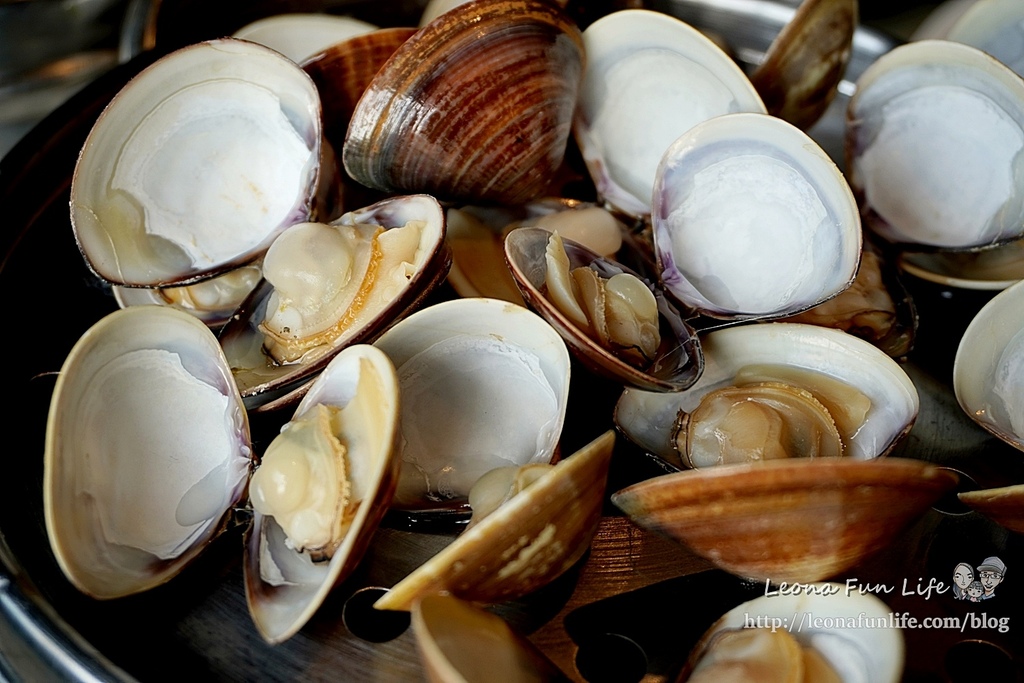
<point>649,79</point>
<point>993,26</point>
<point>988,371</point>
<point>197,165</point>
<point>856,643</point>
<point>622,326</point>
<point>213,301</point>
<point>527,542</point>
<point>787,352</point>
<point>788,520</point>
<point>992,269</point>
<point>876,307</point>
<point>300,36</point>
<point>934,139</point>
<point>484,385</point>
<point>1003,505</point>
<point>428,122</point>
<point>461,643</point>
<point>321,489</point>
<point>750,193</point>
<point>145,393</point>
<point>805,63</point>
<point>342,71</point>
<point>332,285</point>
<point>477,234</point>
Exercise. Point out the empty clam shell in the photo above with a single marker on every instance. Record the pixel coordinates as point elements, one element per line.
<point>484,384</point>
<point>461,643</point>
<point>476,105</point>
<point>285,587</point>
<point>933,147</point>
<point>197,165</point>
<point>988,371</point>
<point>787,520</point>
<point>526,543</point>
<point>650,77</point>
<point>752,219</point>
<point>677,362</point>
<point>147,449</point>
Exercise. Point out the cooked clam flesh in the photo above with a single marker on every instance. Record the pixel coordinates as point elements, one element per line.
<point>770,412</point>
<point>309,480</point>
<point>620,312</point>
<point>324,275</point>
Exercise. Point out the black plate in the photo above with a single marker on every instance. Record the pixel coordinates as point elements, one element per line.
<point>600,622</point>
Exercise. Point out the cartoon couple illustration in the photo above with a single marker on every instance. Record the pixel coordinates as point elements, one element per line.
<point>990,575</point>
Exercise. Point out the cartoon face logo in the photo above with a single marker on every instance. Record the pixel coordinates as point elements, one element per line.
<point>963,576</point>
<point>990,574</point>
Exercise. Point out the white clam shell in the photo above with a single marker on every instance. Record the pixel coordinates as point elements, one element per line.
<point>147,448</point>
<point>752,219</point>
<point>300,36</point>
<point>647,418</point>
<point>649,78</point>
<point>988,372</point>
<point>484,384</point>
<point>281,606</point>
<point>197,164</point>
<point>935,135</point>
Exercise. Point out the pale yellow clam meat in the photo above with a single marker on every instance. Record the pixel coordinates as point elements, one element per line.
<point>310,480</point>
<point>325,276</point>
<point>620,313</point>
<point>772,411</point>
<point>761,655</point>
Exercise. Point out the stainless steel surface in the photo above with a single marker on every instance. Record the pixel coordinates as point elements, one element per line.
<point>605,621</point>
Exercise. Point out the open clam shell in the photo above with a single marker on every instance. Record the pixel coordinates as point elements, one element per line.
<point>526,543</point>
<point>262,380</point>
<point>787,520</point>
<point>213,301</point>
<point>285,587</point>
<point>197,165</point>
<point>461,643</point>
<point>147,449</point>
<point>484,384</point>
<point>650,77</point>
<point>429,122</point>
<point>988,371</point>
<point>934,139</point>
<point>649,418</point>
<point>752,219</point>
<point>677,362</point>
<point>857,642</point>
<point>805,63</point>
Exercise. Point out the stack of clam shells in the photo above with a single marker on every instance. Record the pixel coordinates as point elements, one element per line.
<point>275,226</point>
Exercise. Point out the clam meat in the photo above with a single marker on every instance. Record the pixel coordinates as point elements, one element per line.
<point>321,489</point>
<point>620,312</point>
<point>328,286</point>
<point>865,394</point>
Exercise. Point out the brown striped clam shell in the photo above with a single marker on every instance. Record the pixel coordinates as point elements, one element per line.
<point>477,105</point>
